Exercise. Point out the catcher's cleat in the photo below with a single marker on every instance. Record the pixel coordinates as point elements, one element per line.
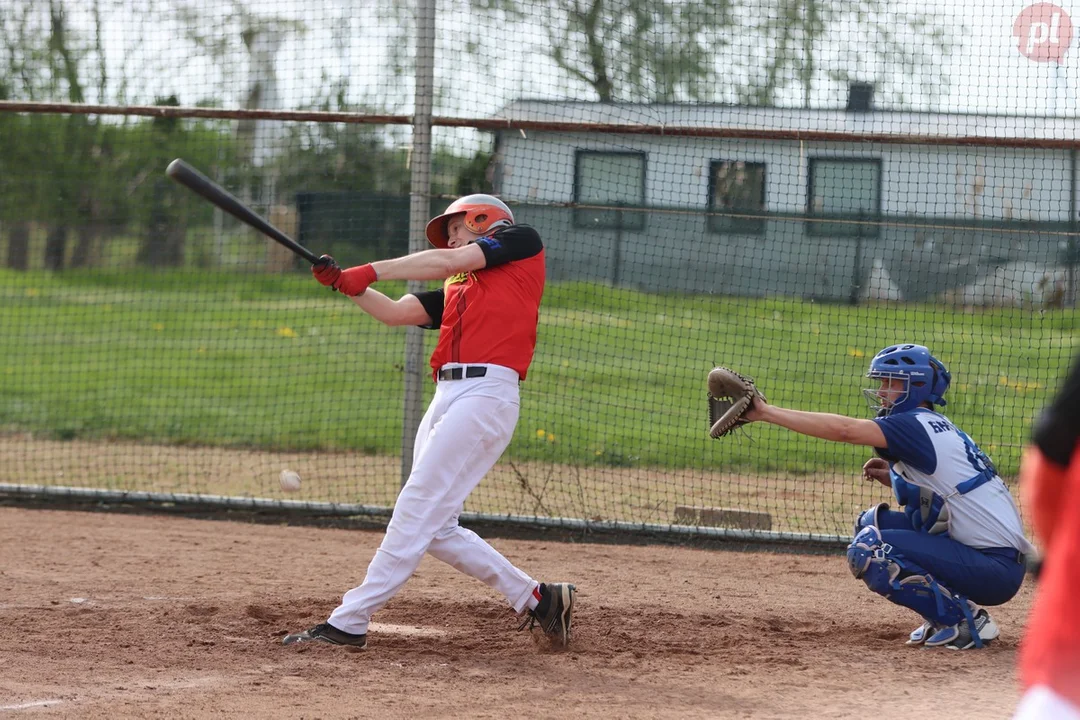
<point>921,634</point>
<point>553,613</point>
<point>959,637</point>
<point>325,632</point>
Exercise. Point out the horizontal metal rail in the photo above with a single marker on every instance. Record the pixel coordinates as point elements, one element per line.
<point>59,494</point>
<point>495,124</point>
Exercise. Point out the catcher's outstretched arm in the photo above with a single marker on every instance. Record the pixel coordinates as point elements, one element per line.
<point>827,426</point>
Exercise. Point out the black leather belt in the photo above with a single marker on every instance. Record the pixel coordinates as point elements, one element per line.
<point>471,371</point>
<point>1009,553</point>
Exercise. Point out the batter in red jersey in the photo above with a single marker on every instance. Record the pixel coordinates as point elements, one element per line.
<point>1050,482</point>
<point>486,314</point>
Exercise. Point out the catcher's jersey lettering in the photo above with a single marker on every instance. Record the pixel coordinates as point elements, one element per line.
<point>490,315</point>
<point>939,426</point>
<point>930,452</point>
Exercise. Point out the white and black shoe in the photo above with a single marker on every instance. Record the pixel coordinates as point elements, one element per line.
<point>327,633</point>
<point>960,637</point>
<point>554,613</point>
<point>921,634</point>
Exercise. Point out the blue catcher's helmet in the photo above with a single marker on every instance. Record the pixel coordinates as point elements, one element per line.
<point>925,378</point>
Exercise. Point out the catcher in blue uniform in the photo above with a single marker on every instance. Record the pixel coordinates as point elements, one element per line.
<point>958,544</point>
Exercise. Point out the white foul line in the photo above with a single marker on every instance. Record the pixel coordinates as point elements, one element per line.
<point>405,630</point>
<point>27,706</point>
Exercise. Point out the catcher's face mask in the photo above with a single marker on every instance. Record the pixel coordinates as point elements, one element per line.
<point>925,377</point>
<point>891,393</point>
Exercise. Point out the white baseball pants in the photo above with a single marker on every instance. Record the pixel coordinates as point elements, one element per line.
<point>1042,703</point>
<point>465,430</point>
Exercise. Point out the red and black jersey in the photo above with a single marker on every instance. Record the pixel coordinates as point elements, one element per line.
<point>490,315</point>
<point>1050,650</point>
<point>1058,427</point>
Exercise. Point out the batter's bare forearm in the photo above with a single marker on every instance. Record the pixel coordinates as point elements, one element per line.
<point>827,426</point>
<point>408,310</point>
<point>431,264</point>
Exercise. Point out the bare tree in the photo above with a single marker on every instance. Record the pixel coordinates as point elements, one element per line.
<point>641,50</point>
<point>793,48</point>
<point>629,50</point>
<point>747,51</point>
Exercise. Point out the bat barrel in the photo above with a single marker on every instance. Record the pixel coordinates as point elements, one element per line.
<point>198,183</point>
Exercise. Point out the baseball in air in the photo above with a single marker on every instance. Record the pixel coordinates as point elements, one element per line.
<point>290,480</point>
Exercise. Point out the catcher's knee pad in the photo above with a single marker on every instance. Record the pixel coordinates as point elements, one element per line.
<point>864,549</point>
<point>870,559</point>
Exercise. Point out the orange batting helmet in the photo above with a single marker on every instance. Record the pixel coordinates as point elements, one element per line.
<point>482,213</point>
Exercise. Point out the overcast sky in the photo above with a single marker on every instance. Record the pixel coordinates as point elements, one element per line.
<point>988,73</point>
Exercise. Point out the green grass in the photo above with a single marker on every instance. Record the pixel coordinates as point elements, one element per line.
<point>276,362</point>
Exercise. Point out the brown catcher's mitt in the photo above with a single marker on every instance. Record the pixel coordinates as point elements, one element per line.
<point>730,396</point>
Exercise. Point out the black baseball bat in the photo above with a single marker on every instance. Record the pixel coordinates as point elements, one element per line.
<point>198,183</point>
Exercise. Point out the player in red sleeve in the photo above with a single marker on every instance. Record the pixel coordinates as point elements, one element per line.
<point>486,313</point>
<point>1050,483</point>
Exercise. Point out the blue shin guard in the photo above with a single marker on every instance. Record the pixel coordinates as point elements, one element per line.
<point>903,582</point>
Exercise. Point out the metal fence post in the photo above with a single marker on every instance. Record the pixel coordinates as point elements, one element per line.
<point>419,209</point>
<point>616,260</point>
<point>856,272</point>
<point>1070,271</point>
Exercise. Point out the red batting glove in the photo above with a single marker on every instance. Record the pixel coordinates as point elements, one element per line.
<point>326,270</point>
<point>356,280</point>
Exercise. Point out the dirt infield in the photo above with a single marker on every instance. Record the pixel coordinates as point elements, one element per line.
<point>110,615</point>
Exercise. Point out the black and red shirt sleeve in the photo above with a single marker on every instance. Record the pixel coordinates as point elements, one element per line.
<point>516,242</point>
<point>433,301</point>
<point>1057,428</point>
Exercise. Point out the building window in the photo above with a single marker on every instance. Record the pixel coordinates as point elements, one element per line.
<point>738,188</point>
<point>844,189</point>
<point>611,179</point>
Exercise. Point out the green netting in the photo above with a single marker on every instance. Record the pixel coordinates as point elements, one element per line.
<point>716,183</point>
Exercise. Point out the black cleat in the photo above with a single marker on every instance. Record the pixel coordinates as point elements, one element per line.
<point>554,612</point>
<point>325,632</point>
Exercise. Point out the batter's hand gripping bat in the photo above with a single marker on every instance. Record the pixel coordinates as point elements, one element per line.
<point>198,183</point>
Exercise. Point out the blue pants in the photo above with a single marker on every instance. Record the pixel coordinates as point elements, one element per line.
<point>990,576</point>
